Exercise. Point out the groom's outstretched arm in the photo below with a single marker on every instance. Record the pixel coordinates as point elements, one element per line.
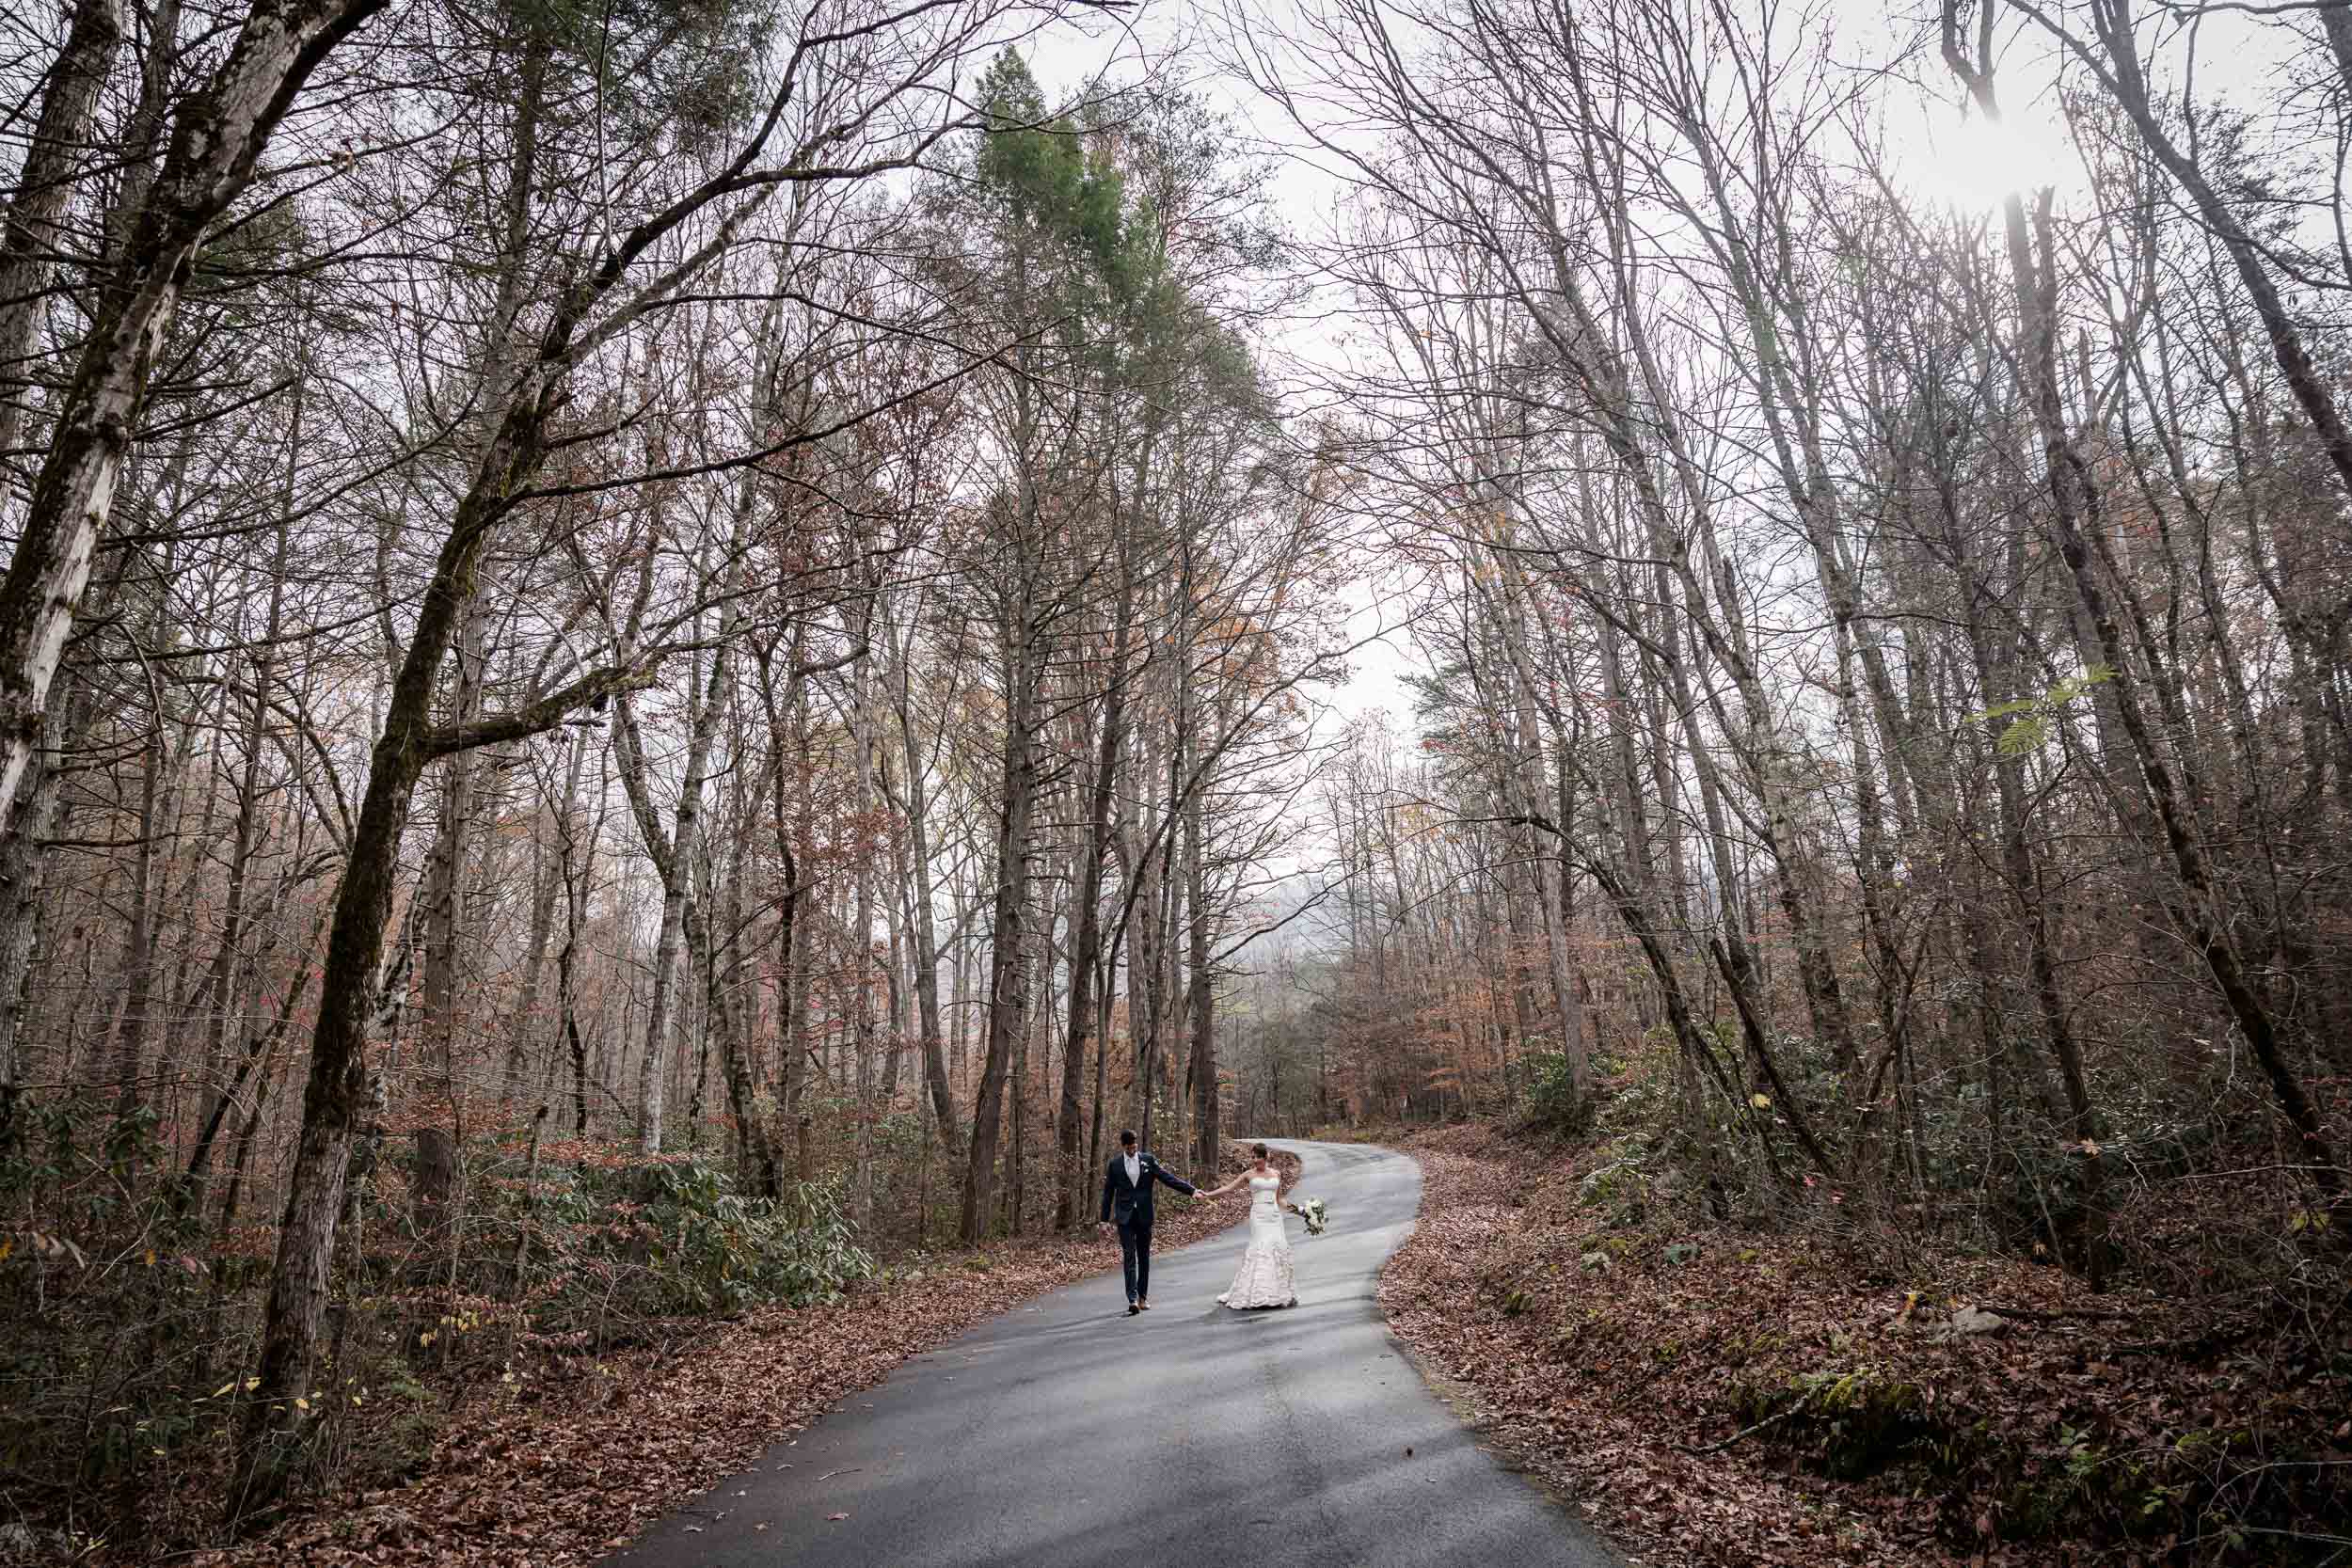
<point>1176,1181</point>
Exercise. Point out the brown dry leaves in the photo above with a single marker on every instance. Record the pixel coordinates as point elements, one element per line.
<point>1601,1378</point>
<point>564,1467</point>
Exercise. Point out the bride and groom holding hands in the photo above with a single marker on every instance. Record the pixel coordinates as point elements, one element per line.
<point>1265,1276</point>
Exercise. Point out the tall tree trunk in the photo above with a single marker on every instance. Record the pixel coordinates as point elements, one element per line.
<point>1531,786</point>
<point>150,866</point>
<point>1203,1000</point>
<point>925,923</point>
<point>547,884</point>
<point>1086,949</point>
<point>1008,951</point>
<point>675,853</point>
<point>756,1164</point>
<point>445,870</point>
<point>220,982</point>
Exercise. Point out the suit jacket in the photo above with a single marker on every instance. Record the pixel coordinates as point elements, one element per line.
<point>1132,1200</point>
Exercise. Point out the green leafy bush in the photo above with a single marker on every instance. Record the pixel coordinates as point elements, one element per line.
<point>672,1237</point>
<point>1550,1102</point>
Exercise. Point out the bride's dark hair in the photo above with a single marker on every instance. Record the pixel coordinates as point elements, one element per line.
<point>1260,1150</point>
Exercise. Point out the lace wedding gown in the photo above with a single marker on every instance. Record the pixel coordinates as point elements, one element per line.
<point>1266,1278</point>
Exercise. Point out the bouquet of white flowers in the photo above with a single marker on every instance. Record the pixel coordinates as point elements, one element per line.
<point>1311,1211</point>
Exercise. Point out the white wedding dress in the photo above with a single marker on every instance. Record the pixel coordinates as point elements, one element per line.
<point>1266,1278</point>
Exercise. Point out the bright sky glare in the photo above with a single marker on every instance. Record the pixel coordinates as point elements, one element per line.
<point>1942,152</point>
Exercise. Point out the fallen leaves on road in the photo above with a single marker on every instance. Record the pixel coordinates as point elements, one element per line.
<point>592,1452</point>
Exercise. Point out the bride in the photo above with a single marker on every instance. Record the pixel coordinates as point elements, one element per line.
<point>1265,1279</point>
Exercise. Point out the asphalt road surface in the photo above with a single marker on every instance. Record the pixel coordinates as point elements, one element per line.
<point>1067,1432</point>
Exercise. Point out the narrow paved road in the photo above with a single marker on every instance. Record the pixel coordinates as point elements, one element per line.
<point>1066,1433</point>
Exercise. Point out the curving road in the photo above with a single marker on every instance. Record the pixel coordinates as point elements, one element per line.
<point>1066,1433</point>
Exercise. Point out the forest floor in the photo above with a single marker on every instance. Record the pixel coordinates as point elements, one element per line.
<point>561,1468</point>
<point>1803,1396</point>
<point>1710,1396</point>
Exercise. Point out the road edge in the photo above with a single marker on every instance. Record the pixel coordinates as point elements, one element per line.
<point>1492,1438</point>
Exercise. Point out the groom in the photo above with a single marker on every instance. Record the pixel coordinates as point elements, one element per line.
<point>1127,1189</point>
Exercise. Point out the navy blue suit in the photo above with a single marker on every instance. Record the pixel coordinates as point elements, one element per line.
<point>1132,1203</point>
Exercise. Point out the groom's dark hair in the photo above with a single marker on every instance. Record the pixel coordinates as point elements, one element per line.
<point>1126,1135</point>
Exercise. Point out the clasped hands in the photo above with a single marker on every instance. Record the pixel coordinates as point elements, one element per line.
<point>1105,1229</point>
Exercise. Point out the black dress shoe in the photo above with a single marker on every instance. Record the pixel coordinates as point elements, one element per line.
<point>1133,1309</point>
